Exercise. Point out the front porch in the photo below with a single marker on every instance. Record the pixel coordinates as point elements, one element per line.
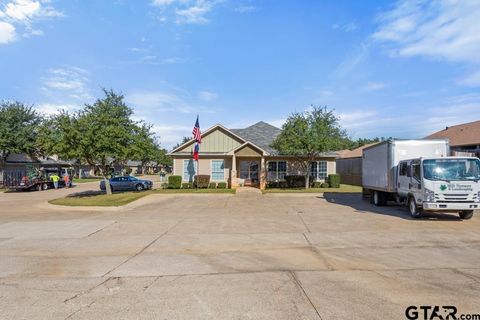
<point>248,167</point>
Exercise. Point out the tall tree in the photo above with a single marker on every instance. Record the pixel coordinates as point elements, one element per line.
<point>306,135</point>
<point>146,146</point>
<point>101,134</point>
<point>18,127</point>
<point>184,139</point>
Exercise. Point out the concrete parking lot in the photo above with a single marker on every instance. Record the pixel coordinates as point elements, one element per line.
<point>244,256</point>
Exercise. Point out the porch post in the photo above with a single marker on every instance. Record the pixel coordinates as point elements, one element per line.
<point>263,176</point>
<point>233,172</point>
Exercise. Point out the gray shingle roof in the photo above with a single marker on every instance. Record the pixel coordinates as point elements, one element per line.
<point>261,134</point>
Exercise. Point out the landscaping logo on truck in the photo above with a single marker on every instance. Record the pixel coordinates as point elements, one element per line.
<point>443,187</point>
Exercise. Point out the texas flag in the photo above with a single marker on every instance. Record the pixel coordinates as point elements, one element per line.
<point>196,149</point>
<point>197,135</point>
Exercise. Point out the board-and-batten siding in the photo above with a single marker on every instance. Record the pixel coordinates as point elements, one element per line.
<point>216,141</point>
<point>204,166</point>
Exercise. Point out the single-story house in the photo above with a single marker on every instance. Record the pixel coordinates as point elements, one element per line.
<point>151,167</point>
<point>243,157</point>
<point>464,138</point>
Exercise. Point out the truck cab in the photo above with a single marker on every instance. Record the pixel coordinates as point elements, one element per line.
<point>448,184</point>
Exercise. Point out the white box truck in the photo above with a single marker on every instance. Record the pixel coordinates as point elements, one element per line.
<point>420,174</point>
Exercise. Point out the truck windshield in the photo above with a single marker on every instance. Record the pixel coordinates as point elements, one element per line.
<point>451,169</point>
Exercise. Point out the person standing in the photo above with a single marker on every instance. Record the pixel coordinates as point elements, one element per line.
<point>66,179</point>
<point>54,177</point>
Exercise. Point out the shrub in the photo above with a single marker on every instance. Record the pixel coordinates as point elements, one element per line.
<point>317,184</point>
<point>174,182</point>
<point>334,180</point>
<point>212,185</point>
<point>325,185</point>
<point>273,184</point>
<point>201,181</point>
<point>222,185</point>
<point>295,181</point>
<point>187,185</point>
<point>283,184</point>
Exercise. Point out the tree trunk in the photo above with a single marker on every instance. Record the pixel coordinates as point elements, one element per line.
<point>108,189</point>
<point>307,180</point>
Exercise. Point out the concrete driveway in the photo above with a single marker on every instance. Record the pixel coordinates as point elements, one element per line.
<point>242,256</point>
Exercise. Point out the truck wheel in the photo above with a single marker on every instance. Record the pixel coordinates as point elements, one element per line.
<point>466,214</point>
<point>45,186</point>
<point>379,198</point>
<point>139,187</point>
<point>415,212</point>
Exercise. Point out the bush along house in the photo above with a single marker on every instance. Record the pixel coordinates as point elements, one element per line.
<point>243,157</point>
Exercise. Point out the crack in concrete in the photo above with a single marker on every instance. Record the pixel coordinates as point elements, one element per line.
<point>88,290</point>
<point>303,221</point>
<point>101,229</point>
<point>143,249</point>
<point>299,286</point>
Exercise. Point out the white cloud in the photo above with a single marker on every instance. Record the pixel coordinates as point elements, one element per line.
<point>207,96</point>
<point>23,14</point>
<point>186,11</point>
<point>52,108</point>
<point>444,30</point>
<point>161,101</point>
<point>7,32</point>
<point>347,27</point>
<point>472,80</point>
<point>69,81</point>
<point>245,9</point>
<point>374,86</point>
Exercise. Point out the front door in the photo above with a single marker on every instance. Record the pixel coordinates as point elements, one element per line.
<point>249,171</point>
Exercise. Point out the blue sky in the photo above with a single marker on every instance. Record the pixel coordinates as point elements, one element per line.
<point>402,69</point>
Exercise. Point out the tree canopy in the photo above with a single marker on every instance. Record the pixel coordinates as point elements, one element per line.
<point>19,125</point>
<point>102,134</point>
<point>306,135</point>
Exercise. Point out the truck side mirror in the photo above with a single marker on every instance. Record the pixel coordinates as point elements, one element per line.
<point>409,171</point>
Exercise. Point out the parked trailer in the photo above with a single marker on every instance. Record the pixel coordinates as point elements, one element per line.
<point>421,174</point>
<point>23,180</point>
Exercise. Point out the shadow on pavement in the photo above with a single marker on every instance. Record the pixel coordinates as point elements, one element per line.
<point>355,201</point>
<point>83,194</point>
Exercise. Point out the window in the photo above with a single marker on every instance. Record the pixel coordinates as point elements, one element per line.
<point>189,170</point>
<point>218,170</point>
<point>318,170</point>
<point>416,171</point>
<point>403,168</point>
<point>276,170</point>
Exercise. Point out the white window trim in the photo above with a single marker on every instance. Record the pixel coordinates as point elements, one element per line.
<point>211,172</point>
<point>317,162</point>
<point>276,171</point>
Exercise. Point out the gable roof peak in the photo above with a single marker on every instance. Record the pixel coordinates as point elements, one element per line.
<point>262,124</point>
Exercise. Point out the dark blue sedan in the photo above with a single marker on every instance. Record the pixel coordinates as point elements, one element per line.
<point>127,183</point>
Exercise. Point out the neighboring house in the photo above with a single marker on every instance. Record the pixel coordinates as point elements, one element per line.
<point>349,165</point>
<point>150,167</point>
<point>243,157</point>
<point>464,138</point>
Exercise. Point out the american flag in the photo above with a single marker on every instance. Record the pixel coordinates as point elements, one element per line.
<point>197,135</point>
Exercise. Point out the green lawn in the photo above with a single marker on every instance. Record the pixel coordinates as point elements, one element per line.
<point>120,199</point>
<point>83,180</point>
<point>344,188</point>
